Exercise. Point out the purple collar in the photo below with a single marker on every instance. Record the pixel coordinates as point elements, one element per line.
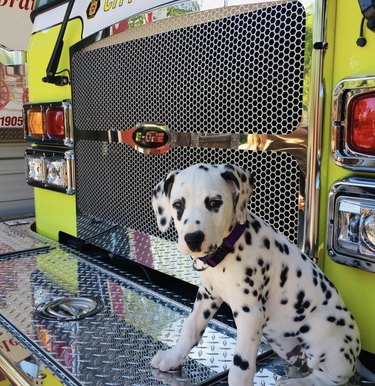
<point>225,248</point>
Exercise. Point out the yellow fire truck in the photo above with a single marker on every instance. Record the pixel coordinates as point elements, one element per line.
<point>120,93</point>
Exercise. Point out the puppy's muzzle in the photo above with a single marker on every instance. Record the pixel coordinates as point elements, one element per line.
<point>194,240</point>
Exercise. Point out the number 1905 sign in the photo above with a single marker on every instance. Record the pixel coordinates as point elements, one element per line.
<point>9,121</point>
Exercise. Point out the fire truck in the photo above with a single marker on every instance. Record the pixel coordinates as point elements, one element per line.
<point>121,93</point>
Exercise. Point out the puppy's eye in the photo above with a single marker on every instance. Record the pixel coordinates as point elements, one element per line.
<point>215,203</point>
<point>178,204</point>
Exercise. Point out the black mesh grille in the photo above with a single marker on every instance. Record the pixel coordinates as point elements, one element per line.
<point>241,73</point>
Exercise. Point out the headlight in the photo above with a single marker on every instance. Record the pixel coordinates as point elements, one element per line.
<point>35,170</point>
<point>57,174</point>
<point>355,233</point>
<point>351,231</point>
<point>50,170</point>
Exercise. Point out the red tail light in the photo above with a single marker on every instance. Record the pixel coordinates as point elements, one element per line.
<point>361,124</point>
<point>55,123</point>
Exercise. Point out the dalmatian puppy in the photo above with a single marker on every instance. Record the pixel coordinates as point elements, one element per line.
<point>273,288</point>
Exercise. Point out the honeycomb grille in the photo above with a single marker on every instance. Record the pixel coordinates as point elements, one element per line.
<point>240,72</point>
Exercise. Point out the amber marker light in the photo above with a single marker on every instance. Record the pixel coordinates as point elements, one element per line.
<point>55,123</point>
<point>361,124</point>
<point>35,123</point>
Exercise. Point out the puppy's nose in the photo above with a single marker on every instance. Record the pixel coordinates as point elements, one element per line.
<point>194,240</point>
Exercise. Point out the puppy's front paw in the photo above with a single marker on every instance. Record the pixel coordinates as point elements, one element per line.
<point>166,360</point>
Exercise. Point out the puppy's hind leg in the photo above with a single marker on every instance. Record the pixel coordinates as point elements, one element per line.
<point>316,378</point>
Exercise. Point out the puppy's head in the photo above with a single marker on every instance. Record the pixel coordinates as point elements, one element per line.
<point>205,201</point>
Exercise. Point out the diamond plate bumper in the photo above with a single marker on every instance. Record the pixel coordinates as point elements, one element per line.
<point>115,346</point>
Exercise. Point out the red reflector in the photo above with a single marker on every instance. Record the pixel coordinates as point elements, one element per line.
<point>361,124</point>
<point>55,123</point>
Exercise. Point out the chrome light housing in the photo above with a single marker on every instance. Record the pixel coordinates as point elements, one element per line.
<point>352,121</point>
<point>351,229</point>
<point>49,123</point>
<point>50,169</point>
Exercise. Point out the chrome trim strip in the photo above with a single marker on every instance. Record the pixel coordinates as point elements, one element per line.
<point>68,123</point>
<point>315,121</point>
<point>343,93</point>
<point>351,187</point>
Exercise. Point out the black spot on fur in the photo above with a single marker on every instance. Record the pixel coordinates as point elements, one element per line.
<point>229,176</point>
<point>160,210</point>
<point>235,314</point>
<point>299,273</point>
<point>260,262</point>
<point>239,362</point>
<point>284,275</point>
<point>238,258</point>
<point>341,322</point>
<point>331,319</point>
<point>246,309</point>
<point>266,243</point>
<point>168,185</point>
<point>207,314</point>
<point>203,167</point>
<point>301,305</point>
<point>284,301</point>
<point>256,225</point>
<point>286,249</point>
<point>199,296</point>
<point>163,221</point>
<point>304,329</point>
<point>248,238</point>
<point>279,246</point>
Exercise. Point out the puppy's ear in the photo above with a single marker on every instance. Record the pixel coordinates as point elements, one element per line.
<point>240,182</point>
<point>161,201</point>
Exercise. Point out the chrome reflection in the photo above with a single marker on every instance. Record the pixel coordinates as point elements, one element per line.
<point>69,308</point>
